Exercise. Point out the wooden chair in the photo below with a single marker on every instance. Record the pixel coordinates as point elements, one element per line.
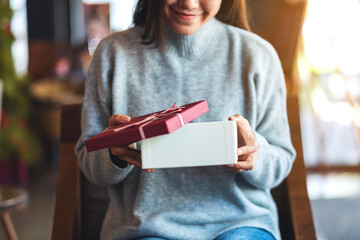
<point>280,22</point>
<point>75,195</point>
<point>12,198</point>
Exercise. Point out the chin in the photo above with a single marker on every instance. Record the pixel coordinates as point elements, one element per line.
<point>185,30</point>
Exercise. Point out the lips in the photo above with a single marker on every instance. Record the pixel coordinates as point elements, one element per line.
<point>185,16</point>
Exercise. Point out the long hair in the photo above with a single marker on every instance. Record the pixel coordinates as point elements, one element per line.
<point>149,14</point>
<point>234,12</point>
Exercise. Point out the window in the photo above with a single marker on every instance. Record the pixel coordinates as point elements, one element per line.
<point>19,29</point>
<point>330,73</point>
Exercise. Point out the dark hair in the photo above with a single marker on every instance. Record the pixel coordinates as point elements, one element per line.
<point>234,12</point>
<point>149,14</point>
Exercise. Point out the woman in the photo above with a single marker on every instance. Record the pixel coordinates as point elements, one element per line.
<point>185,51</point>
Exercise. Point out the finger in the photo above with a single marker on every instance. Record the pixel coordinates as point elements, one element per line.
<point>245,165</point>
<point>240,120</point>
<point>130,155</point>
<point>126,151</point>
<point>236,117</point>
<point>132,161</point>
<point>243,128</point>
<point>137,163</point>
<point>133,146</point>
<point>243,157</point>
<point>247,149</point>
<point>234,168</point>
<point>118,118</point>
<point>246,162</point>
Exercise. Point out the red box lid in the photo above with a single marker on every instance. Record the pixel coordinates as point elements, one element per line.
<point>147,126</point>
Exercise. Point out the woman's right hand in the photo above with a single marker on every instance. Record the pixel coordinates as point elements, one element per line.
<point>128,153</point>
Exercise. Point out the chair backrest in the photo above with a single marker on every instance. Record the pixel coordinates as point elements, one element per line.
<point>80,205</point>
<point>280,22</point>
<point>291,197</point>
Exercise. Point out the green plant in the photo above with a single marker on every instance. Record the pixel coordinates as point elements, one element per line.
<point>16,139</point>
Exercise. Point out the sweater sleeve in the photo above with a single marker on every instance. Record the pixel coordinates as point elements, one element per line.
<point>96,111</point>
<point>276,153</point>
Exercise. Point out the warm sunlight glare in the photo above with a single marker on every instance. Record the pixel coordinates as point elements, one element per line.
<point>331,35</point>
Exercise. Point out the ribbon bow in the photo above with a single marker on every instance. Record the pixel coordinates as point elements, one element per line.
<point>166,113</point>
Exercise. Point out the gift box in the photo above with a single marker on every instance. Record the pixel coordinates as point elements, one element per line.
<point>195,144</point>
<point>147,126</point>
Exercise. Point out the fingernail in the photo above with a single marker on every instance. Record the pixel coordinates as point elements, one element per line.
<point>240,151</point>
<point>125,118</point>
<point>118,118</point>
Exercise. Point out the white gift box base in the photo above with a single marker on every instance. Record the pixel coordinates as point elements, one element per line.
<point>195,144</point>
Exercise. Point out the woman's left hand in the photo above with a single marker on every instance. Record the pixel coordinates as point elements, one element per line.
<point>247,145</point>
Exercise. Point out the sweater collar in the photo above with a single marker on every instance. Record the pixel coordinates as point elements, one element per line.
<point>194,44</point>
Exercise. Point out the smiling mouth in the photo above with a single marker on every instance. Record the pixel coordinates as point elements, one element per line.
<point>185,16</point>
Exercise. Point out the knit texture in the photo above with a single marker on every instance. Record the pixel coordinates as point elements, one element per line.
<point>236,72</point>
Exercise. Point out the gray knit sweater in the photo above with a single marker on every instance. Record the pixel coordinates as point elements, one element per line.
<point>236,72</point>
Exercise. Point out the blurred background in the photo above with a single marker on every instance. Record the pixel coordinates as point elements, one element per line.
<point>45,51</point>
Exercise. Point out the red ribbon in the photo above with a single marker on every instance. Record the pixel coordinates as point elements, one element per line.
<point>166,113</point>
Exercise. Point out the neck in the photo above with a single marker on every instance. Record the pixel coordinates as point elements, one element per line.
<point>194,44</point>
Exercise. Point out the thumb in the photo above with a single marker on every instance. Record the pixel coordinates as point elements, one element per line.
<point>118,118</point>
<point>240,128</point>
<point>235,117</point>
